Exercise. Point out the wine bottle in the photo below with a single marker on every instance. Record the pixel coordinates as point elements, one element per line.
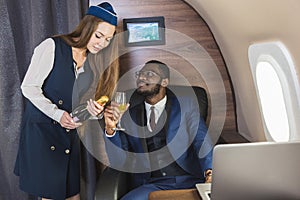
<point>81,113</point>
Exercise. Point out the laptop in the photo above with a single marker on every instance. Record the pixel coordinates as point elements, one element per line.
<point>260,171</point>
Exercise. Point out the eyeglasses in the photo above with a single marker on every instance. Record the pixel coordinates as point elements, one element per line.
<point>146,74</point>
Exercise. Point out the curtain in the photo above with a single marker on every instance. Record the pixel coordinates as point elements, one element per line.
<point>24,24</point>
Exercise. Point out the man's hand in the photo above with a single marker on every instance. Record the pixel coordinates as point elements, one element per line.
<point>112,115</point>
<point>208,176</point>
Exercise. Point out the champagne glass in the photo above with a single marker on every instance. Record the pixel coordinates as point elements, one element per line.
<point>120,98</point>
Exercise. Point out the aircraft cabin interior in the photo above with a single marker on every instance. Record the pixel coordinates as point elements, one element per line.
<point>239,59</point>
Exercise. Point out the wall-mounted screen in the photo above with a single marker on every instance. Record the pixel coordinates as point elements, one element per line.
<point>144,31</point>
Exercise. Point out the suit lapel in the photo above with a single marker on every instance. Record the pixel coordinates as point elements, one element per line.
<point>142,123</point>
<point>168,112</point>
<point>171,110</point>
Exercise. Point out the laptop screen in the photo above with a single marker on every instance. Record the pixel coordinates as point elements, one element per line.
<point>261,170</point>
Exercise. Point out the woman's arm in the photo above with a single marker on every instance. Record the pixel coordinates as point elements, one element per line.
<point>38,70</point>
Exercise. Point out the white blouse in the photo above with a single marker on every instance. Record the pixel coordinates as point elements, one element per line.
<point>40,67</point>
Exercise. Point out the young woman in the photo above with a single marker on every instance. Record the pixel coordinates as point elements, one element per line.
<point>48,157</point>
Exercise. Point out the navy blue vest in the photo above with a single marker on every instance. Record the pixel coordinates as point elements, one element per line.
<point>59,84</point>
<point>156,142</point>
<point>46,148</point>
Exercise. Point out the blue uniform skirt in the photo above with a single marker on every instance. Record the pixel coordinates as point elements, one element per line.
<point>48,161</point>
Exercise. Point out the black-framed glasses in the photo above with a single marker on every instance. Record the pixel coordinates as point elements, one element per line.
<point>146,74</point>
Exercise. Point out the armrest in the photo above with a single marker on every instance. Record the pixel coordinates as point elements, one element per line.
<point>111,185</point>
<point>183,194</point>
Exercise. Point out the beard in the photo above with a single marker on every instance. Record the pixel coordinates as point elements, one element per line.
<point>150,93</point>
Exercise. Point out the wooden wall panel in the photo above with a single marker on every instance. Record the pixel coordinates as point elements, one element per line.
<point>179,16</point>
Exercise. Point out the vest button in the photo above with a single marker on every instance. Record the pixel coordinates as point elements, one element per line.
<point>60,102</point>
<point>164,174</point>
<point>67,151</point>
<point>54,122</point>
<point>67,130</point>
<point>52,148</point>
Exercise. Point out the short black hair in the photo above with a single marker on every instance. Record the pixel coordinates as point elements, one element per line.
<point>162,66</point>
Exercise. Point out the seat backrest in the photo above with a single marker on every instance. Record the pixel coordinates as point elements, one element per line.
<point>179,90</point>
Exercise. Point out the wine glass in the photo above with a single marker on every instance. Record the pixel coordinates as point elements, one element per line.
<point>120,99</point>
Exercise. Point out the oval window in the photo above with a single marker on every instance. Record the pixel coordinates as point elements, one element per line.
<point>272,101</point>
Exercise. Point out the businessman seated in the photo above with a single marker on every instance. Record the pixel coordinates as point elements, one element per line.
<point>164,137</point>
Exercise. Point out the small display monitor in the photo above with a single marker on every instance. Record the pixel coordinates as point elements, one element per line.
<point>144,31</point>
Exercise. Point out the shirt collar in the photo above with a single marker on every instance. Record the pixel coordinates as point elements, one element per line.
<point>159,105</point>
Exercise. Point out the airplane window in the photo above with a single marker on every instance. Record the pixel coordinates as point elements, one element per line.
<point>272,101</point>
<point>278,90</point>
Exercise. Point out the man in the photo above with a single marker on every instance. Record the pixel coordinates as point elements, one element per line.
<point>162,139</point>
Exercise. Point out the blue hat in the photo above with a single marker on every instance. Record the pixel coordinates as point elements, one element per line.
<point>105,12</point>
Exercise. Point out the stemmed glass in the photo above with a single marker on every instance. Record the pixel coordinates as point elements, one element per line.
<point>120,99</point>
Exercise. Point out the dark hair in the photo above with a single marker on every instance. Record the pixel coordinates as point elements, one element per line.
<point>162,66</point>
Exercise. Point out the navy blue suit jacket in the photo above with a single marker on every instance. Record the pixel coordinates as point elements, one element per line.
<point>186,135</point>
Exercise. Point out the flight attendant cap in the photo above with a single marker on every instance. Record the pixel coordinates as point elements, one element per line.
<point>105,12</point>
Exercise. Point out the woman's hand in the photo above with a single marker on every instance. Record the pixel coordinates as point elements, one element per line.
<point>67,121</point>
<point>94,108</point>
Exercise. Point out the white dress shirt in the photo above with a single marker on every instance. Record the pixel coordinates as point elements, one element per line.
<point>158,109</point>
